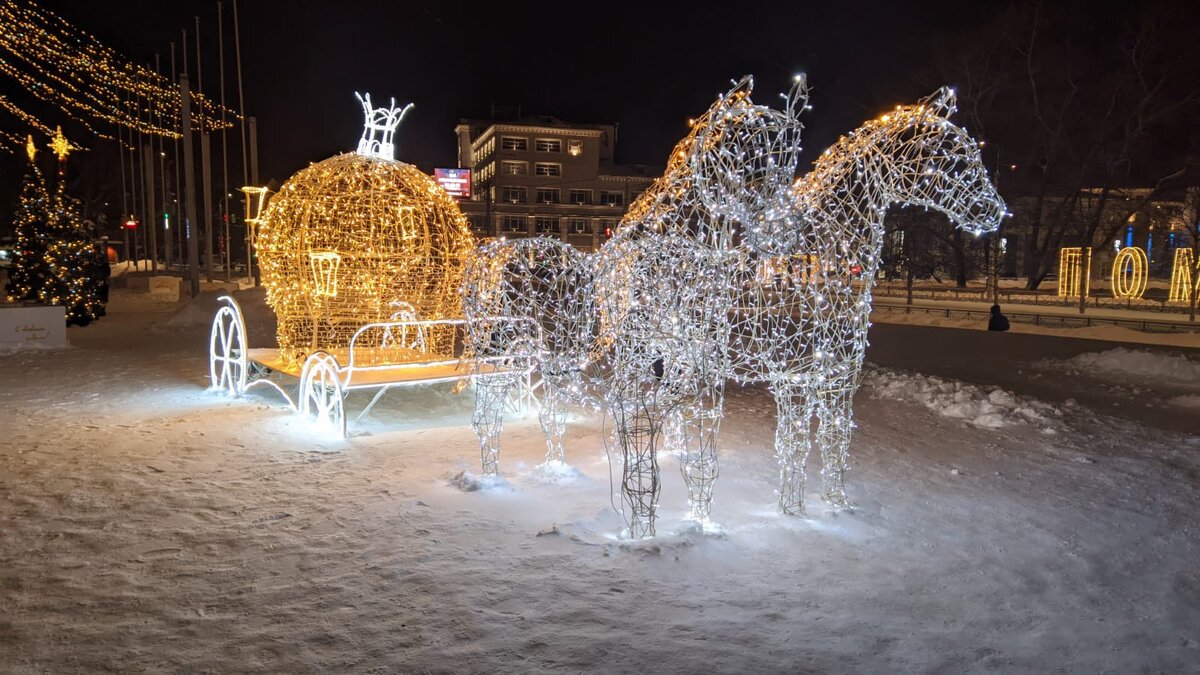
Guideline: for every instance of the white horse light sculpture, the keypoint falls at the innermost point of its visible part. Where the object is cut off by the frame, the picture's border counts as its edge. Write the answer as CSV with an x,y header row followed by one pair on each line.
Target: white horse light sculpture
x,y
805,334
549,282
664,308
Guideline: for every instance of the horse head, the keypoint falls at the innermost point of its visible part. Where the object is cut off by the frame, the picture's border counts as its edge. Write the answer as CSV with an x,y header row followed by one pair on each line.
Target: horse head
x,y
743,160
930,161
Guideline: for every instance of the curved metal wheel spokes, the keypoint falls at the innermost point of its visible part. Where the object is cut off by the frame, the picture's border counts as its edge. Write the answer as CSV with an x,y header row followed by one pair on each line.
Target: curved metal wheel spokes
x,y
321,394
227,361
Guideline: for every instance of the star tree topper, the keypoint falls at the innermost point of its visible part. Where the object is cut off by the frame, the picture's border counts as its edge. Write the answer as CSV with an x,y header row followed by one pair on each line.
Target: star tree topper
x,y
59,145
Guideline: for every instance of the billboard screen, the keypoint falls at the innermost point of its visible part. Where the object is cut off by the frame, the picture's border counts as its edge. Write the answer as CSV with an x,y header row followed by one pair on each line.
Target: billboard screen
x,y
455,181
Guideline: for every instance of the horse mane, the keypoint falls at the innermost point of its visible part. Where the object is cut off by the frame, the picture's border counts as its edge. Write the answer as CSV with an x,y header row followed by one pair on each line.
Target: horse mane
x,y
849,148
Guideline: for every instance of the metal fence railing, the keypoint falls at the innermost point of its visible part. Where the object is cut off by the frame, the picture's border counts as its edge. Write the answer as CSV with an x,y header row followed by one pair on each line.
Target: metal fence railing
x,y
1050,320
1024,297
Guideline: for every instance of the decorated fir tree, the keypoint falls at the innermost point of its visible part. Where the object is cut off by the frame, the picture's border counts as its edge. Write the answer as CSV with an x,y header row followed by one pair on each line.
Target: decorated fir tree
x,y
73,281
30,272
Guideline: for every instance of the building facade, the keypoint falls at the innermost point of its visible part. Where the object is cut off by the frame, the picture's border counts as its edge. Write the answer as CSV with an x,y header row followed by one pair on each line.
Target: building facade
x,y
541,176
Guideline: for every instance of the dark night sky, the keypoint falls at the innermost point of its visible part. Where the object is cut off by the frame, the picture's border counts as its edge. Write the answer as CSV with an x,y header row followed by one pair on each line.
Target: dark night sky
x,y
645,67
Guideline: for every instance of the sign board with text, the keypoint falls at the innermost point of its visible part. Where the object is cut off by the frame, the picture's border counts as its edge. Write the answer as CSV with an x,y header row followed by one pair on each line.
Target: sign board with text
x,y
457,182
32,326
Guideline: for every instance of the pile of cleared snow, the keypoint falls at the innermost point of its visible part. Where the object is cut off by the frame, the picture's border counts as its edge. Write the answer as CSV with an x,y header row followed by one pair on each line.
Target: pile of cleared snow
x,y
1140,365
1186,401
988,407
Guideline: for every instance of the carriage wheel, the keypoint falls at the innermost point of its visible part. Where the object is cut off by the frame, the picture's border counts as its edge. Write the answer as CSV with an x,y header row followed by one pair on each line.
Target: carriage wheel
x,y
227,363
321,396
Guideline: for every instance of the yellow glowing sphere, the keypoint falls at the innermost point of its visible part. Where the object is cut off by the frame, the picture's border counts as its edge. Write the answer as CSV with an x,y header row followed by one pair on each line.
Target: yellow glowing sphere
x,y
350,240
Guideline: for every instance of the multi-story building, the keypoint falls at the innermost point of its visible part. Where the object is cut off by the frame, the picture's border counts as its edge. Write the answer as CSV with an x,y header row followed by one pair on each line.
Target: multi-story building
x,y
543,176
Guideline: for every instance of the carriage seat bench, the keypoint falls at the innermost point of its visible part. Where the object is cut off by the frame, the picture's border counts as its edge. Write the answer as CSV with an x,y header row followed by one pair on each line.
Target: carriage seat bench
x,y
397,356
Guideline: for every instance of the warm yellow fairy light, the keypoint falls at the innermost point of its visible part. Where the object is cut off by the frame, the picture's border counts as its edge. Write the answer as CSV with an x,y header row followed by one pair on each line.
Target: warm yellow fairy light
x,y
1183,271
85,80
1129,273
346,238
60,145
324,270
1074,271
30,148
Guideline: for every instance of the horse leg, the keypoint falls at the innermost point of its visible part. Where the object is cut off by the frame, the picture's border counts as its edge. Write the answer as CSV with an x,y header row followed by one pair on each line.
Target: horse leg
x,y
836,423
793,442
553,418
491,395
699,465
639,433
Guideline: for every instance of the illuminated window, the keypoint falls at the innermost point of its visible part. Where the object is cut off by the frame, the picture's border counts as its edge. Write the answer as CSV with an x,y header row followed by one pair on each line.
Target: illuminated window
x,y
547,169
546,225
513,143
513,168
547,195
548,145
612,198
574,148
580,226
513,194
513,223
581,196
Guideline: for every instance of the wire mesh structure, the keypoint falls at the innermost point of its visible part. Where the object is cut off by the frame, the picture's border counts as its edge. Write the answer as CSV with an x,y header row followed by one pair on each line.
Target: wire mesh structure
x,y
663,303
807,333
347,237
550,282
729,267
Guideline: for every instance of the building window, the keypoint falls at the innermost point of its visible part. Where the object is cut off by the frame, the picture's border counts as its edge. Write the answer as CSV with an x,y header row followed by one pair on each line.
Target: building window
x,y
513,223
546,225
547,169
574,148
581,196
513,168
512,194
608,226
580,226
513,143
547,195
612,198
548,145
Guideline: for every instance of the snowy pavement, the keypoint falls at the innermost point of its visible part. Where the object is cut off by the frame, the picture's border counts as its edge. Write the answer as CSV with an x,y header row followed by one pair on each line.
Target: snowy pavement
x,y
1016,510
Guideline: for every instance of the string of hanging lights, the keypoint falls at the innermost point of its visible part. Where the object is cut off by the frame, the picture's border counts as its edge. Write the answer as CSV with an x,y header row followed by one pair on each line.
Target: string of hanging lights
x,y
87,81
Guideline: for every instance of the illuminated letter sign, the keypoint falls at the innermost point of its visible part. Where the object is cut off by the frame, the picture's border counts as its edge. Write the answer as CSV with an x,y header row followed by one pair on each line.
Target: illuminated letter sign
x,y
1182,276
1129,273
1074,271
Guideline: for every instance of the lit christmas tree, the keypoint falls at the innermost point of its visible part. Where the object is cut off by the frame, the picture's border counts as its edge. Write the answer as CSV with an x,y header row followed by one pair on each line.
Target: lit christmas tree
x,y
30,272
73,260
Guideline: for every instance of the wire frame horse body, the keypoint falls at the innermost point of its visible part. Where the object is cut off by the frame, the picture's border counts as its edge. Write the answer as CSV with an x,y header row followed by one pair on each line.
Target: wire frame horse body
x,y
549,282
664,304
806,335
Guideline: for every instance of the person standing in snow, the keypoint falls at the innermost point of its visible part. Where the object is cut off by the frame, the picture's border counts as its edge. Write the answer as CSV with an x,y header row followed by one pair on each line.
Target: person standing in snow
x,y
998,321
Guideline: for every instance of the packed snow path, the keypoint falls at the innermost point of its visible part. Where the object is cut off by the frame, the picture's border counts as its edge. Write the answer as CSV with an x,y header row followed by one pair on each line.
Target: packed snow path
x,y
149,525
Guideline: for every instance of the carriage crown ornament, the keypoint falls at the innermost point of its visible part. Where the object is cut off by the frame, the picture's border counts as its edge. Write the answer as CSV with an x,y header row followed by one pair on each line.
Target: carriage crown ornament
x,y
379,127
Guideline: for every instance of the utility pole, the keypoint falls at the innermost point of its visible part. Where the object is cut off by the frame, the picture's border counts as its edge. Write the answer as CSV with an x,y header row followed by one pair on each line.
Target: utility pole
x,y
162,177
225,194
205,163
237,46
189,182
151,219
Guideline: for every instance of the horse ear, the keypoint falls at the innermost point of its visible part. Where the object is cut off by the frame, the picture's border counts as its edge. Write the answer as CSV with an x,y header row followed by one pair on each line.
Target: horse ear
x,y
943,102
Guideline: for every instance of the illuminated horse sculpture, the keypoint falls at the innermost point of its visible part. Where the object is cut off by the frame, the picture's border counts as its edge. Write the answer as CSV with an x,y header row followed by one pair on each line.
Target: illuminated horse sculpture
x,y
549,282
664,287
805,254
805,330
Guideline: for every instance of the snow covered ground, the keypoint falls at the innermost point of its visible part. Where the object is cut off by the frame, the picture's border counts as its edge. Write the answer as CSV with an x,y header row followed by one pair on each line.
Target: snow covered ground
x,y
1017,509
